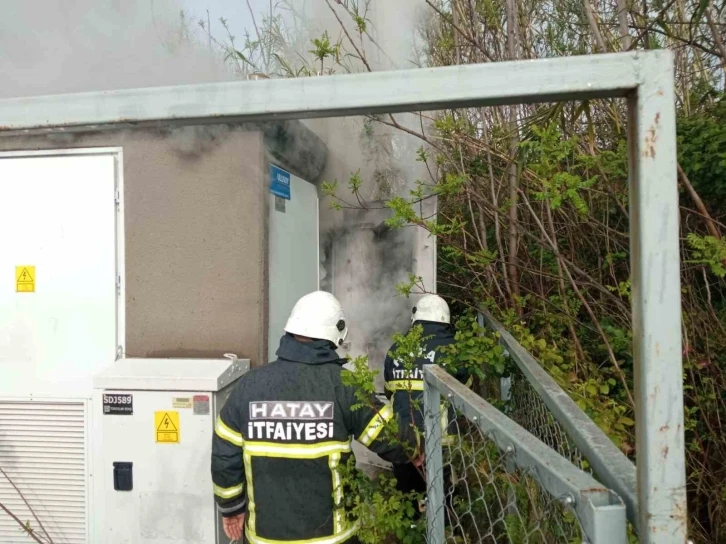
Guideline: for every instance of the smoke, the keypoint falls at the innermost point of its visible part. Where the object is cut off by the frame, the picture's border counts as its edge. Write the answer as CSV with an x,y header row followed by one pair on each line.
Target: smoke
x,y
190,142
53,47
292,145
368,260
362,263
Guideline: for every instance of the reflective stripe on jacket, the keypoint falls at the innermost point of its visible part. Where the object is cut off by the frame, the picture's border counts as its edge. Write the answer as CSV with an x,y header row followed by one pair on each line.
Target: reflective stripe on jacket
x,y
405,386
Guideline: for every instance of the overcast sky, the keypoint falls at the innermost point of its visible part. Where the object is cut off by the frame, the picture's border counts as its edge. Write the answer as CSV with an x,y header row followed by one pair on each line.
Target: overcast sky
x,y
235,11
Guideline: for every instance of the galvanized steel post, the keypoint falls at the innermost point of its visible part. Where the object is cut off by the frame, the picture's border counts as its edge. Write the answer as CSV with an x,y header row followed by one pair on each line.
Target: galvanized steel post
x,y
435,508
656,300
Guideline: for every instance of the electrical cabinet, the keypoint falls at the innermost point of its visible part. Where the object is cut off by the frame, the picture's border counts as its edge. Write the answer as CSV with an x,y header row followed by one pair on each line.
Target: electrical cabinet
x,y
154,426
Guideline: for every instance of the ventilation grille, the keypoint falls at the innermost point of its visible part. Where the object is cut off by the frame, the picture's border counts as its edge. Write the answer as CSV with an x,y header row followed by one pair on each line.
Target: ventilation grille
x,y
43,451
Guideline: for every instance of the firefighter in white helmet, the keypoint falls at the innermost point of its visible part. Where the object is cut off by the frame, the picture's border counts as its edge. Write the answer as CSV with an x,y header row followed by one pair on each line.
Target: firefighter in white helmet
x,y
405,385
286,430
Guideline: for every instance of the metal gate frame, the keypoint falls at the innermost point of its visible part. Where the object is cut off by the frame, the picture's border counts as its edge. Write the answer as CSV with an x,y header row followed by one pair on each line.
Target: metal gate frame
x,y
644,78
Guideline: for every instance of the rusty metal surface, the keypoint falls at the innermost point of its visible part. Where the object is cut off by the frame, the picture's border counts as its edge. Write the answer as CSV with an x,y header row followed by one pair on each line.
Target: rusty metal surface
x,y
656,303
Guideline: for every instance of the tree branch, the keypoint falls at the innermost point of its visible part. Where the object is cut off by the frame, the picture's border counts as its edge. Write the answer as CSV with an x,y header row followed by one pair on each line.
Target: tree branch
x,y
625,38
259,37
360,54
699,204
459,30
32,511
716,36
593,25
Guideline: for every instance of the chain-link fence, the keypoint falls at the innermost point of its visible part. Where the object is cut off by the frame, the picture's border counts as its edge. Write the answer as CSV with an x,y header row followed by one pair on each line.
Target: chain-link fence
x,y
525,406
537,403
492,500
491,481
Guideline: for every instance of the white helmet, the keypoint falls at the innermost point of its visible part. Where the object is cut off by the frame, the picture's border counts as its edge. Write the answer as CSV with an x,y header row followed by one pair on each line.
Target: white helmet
x,y
318,315
431,308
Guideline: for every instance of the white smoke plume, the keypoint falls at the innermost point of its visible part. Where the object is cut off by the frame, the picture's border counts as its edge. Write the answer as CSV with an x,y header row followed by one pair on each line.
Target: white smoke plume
x,y
55,46
360,262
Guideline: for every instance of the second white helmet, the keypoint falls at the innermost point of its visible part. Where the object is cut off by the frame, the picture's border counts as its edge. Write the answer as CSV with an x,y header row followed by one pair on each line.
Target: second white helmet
x,y
318,315
431,308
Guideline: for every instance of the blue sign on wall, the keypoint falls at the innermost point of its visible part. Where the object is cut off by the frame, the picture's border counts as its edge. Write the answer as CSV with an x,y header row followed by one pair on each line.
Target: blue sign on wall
x,y
279,182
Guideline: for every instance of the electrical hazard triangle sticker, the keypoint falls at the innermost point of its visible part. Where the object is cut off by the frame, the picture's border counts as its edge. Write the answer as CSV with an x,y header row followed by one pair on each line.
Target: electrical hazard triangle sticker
x,y
25,276
167,426
25,279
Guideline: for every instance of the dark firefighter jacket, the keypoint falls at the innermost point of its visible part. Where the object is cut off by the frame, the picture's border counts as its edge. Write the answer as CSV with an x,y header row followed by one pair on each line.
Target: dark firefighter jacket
x,y
406,386
279,442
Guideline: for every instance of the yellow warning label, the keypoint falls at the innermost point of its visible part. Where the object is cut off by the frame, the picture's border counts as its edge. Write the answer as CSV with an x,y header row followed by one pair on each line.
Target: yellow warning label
x,y
166,424
25,279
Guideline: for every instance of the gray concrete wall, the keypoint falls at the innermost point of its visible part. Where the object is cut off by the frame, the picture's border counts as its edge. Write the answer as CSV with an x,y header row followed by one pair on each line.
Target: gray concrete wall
x,y
195,216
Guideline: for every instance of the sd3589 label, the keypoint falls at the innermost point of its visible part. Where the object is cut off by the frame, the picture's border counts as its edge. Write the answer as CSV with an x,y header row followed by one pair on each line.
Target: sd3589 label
x,y
118,403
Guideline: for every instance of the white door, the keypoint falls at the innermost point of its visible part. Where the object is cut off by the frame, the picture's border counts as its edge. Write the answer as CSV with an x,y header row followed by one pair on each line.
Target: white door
x,y
293,254
60,318
58,270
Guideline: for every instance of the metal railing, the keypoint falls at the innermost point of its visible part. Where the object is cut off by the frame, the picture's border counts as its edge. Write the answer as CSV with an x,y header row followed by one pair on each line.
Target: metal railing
x,y
538,404
489,480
